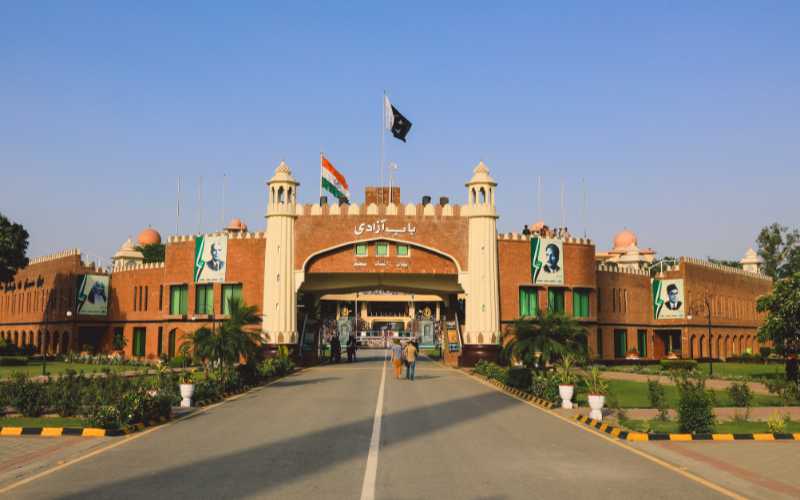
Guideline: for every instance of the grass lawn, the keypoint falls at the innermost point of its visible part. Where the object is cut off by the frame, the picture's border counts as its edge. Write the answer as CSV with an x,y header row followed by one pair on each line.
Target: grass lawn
x,y
734,427
435,353
740,370
58,367
41,422
634,395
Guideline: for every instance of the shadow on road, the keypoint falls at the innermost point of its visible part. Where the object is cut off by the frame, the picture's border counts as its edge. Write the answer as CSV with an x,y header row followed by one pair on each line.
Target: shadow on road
x,y
258,470
312,381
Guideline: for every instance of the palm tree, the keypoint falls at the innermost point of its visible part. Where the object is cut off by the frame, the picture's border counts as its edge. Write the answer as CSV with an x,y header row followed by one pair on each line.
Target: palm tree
x,y
543,340
230,341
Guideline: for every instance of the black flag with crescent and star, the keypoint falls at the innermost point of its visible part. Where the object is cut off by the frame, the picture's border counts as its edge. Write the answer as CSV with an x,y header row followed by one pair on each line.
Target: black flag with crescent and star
x,y
400,125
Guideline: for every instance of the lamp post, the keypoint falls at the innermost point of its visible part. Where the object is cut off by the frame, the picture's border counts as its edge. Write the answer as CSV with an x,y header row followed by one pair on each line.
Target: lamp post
x,y
710,358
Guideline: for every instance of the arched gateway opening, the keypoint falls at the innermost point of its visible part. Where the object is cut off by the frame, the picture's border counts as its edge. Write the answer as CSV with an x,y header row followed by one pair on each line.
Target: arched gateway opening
x,y
377,290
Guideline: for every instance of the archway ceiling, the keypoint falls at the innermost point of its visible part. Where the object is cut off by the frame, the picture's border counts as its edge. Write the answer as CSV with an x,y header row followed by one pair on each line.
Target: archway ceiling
x,y
354,282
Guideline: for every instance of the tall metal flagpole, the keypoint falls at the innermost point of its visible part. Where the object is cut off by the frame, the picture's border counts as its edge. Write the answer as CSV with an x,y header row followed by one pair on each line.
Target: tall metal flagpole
x,y
383,135
224,181
320,176
178,209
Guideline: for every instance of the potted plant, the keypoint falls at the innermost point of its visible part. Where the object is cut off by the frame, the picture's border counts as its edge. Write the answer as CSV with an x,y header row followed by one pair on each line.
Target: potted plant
x,y
597,389
187,389
566,380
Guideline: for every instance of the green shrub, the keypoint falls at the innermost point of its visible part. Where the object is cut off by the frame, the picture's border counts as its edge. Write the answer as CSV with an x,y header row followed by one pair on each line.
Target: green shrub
x,y
545,387
207,389
104,417
520,378
179,362
787,391
764,352
695,403
64,394
13,361
658,398
27,396
741,395
678,364
776,423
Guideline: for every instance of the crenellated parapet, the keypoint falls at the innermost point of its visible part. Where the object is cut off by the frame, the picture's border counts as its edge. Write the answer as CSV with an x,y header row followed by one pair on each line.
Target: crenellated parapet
x,y
428,210
726,269
513,236
605,268
139,267
54,256
237,235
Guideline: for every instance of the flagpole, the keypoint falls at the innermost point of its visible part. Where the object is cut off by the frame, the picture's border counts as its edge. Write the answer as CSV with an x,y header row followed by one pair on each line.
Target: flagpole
x,y
383,135
320,176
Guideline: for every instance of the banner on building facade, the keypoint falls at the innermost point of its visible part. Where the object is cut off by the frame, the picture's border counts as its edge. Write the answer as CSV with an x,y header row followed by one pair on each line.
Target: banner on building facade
x,y
668,301
92,296
210,258
547,261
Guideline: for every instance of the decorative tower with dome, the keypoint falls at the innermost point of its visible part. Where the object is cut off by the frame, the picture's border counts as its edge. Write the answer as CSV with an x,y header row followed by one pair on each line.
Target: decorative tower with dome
x,y
481,285
280,297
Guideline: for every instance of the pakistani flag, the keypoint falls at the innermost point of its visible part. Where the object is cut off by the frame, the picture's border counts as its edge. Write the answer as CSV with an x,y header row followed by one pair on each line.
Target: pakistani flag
x,y
396,122
333,181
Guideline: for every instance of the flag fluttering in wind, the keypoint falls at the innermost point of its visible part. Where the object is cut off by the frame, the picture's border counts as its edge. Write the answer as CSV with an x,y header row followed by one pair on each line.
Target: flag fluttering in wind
x,y
332,181
395,121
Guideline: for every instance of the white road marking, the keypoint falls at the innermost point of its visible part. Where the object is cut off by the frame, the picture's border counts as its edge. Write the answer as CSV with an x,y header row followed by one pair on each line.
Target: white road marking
x,y
371,472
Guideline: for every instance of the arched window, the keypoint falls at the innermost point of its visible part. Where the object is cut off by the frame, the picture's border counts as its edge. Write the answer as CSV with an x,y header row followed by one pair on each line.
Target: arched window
x,y
472,200
272,198
171,343
280,195
289,195
483,196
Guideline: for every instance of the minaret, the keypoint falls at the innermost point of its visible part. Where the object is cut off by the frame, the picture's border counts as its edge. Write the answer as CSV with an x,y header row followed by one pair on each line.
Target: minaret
x,y
280,298
483,305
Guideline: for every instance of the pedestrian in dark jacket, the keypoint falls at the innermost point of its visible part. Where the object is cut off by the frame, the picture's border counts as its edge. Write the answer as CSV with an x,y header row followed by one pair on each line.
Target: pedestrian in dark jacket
x,y
352,345
336,349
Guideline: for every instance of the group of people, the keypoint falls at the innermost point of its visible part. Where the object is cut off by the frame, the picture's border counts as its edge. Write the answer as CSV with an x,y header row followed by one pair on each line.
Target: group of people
x,y
405,354
336,349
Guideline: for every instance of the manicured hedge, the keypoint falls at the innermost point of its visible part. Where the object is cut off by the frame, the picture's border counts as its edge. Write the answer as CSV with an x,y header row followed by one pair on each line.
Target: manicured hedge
x,y
678,364
13,360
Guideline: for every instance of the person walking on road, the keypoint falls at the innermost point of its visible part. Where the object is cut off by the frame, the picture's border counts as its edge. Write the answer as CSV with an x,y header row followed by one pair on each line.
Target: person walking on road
x,y
351,348
336,349
397,358
411,352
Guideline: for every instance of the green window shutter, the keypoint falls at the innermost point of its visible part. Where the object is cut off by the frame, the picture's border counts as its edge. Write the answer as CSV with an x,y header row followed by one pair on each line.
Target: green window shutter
x,y
555,299
620,343
642,341
174,300
184,302
528,302
361,249
580,303
402,250
599,342
139,341
204,299
382,249
230,292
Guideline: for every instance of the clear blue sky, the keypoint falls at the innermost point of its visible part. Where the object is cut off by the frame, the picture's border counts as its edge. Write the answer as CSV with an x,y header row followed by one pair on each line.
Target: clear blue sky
x,y
682,117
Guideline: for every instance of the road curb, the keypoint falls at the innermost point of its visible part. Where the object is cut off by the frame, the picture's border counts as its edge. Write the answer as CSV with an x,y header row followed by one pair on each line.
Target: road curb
x,y
660,436
9,431
543,403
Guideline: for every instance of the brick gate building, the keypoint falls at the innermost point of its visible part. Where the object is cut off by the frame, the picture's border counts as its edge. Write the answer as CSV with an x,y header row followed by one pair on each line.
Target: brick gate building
x,y
390,264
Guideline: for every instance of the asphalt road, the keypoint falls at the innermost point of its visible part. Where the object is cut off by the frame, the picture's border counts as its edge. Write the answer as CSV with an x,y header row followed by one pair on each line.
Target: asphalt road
x,y
308,436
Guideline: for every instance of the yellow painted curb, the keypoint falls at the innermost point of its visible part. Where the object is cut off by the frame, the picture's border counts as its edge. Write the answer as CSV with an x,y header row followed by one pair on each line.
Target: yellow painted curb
x,y
680,437
638,436
51,431
722,437
797,436
11,431
93,432
763,437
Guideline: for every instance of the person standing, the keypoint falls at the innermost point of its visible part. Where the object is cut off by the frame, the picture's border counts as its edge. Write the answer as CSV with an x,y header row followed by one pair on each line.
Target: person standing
x,y
397,358
336,349
411,352
351,348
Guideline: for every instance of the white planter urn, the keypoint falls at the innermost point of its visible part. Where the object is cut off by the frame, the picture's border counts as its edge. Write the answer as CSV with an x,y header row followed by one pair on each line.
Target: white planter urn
x,y
566,392
187,390
596,402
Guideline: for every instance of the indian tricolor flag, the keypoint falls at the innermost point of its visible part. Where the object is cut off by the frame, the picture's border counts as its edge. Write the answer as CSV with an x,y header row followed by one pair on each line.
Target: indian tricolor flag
x,y
332,181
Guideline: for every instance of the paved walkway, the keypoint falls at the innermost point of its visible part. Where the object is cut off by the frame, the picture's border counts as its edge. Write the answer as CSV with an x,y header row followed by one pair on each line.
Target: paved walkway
x,y
712,383
315,435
